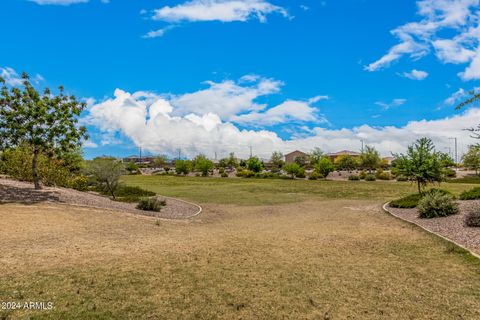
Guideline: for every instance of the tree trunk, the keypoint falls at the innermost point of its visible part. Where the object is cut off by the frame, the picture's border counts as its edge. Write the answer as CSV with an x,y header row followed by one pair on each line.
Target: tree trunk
x,y
36,179
419,188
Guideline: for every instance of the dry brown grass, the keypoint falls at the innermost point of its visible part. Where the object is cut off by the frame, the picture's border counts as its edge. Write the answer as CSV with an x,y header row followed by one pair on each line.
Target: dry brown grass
x,y
322,259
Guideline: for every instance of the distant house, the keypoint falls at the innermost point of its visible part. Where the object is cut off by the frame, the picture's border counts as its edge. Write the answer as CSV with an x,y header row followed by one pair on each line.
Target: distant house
x,y
290,157
334,155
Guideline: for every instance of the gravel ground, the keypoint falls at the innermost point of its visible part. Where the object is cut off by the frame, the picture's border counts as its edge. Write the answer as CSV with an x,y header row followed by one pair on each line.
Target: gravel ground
x,y
17,191
452,227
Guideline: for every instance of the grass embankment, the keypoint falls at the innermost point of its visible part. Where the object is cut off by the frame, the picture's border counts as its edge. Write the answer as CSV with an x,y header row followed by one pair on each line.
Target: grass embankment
x,y
311,255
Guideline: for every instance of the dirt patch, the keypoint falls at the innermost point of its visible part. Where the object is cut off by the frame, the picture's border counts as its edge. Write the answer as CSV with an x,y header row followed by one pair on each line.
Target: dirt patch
x,y
12,191
452,227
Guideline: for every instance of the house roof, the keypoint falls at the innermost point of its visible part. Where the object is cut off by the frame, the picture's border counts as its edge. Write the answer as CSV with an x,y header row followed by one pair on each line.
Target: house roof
x,y
344,153
296,151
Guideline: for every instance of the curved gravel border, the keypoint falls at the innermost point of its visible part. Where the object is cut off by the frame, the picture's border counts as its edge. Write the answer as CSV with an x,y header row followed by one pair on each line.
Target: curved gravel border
x,y
12,191
385,208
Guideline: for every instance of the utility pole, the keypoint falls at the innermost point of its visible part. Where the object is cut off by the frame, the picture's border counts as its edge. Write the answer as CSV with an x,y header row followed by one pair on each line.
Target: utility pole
x,y
456,149
140,154
362,145
179,154
251,152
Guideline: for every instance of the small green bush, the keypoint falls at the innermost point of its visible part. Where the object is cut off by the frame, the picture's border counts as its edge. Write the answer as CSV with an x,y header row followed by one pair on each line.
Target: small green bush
x,y
472,219
450,173
362,175
224,175
401,178
384,176
354,177
314,176
471,194
129,194
370,177
79,183
436,204
301,173
221,170
151,204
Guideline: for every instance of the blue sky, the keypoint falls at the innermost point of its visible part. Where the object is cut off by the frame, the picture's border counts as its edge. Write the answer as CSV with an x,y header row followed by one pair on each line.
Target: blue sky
x,y
225,74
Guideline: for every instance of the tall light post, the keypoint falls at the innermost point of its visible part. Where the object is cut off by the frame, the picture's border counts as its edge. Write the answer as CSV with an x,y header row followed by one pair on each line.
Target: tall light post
x,y
456,149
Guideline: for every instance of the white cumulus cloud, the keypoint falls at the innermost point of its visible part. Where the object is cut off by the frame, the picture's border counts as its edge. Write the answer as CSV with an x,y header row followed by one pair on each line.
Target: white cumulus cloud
x,y
416,75
218,10
449,28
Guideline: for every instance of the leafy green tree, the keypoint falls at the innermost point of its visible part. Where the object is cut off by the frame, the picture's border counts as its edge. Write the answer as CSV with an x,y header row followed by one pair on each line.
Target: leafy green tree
x,y
471,159
315,156
44,122
301,161
421,164
324,167
370,159
131,167
474,97
160,161
292,169
183,167
106,173
346,162
254,164
203,164
277,160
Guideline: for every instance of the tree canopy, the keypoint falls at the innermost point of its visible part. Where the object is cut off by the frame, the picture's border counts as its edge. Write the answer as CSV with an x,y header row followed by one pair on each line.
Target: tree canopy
x,y
45,122
471,159
370,158
421,164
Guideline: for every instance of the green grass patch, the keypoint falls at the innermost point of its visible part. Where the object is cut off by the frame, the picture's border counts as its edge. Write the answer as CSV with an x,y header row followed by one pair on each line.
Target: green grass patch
x,y
410,201
472,194
249,192
468,179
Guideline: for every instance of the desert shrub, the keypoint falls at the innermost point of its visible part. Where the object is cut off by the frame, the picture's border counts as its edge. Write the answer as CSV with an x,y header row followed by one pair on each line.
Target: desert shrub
x,y
203,164
221,170
378,173
401,178
370,177
183,167
384,176
151,204
254,164
472,219
224,175
410,201
129,194
471,194
324,167
450,173
314,176
436,204
79,183
353,177
301,173
362,175
293,169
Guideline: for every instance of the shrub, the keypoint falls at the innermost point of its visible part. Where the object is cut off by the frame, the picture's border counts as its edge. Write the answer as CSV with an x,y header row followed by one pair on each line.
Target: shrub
x,y
370,177
353,177
301,173
183,167
79,183
450,173
324,167
129,194
224,175
362,175
314,176
407,202
151,204
472,219
221,170
471,194
254,164
384,176
436,204
292,168
203,165
401,178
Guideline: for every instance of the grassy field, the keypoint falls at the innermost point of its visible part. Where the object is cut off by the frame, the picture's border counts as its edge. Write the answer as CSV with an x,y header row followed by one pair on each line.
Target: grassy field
x,y
262,249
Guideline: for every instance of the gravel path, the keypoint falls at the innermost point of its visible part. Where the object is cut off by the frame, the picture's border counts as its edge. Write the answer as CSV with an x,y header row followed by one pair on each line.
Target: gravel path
x,y
451,227
17,191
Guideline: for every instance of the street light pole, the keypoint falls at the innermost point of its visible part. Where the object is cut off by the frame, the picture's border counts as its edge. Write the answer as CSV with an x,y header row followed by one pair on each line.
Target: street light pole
x,y
456,149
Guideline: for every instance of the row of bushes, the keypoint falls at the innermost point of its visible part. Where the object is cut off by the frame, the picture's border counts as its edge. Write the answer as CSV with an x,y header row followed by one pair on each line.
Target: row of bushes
x,y
439,203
